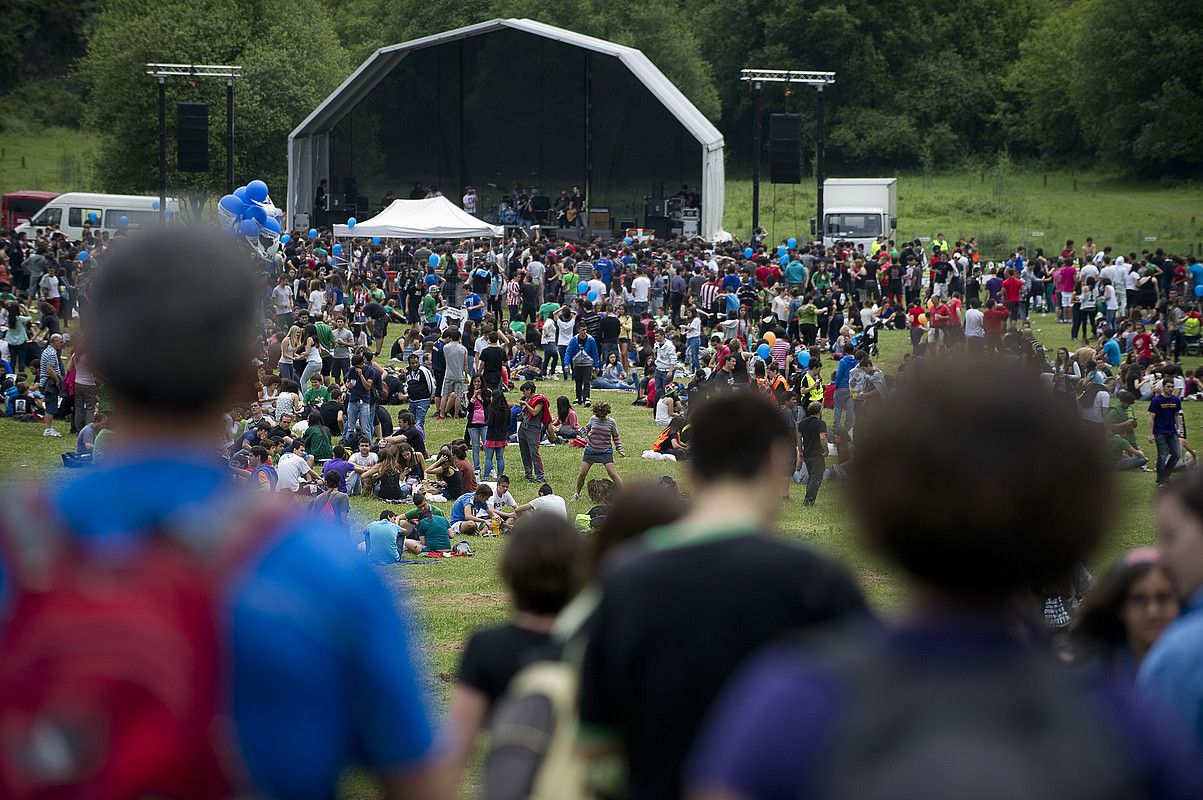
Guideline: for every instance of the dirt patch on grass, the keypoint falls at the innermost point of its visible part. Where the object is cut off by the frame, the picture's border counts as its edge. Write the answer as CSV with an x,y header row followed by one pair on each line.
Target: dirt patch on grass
x,y
473,599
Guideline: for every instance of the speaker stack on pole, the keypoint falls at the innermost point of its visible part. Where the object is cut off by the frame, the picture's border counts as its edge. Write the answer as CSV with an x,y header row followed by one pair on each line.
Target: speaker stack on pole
x,y
192,137
785,148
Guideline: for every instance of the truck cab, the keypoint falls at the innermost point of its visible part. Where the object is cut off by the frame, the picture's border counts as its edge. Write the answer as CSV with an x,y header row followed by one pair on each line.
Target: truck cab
x,y
858,210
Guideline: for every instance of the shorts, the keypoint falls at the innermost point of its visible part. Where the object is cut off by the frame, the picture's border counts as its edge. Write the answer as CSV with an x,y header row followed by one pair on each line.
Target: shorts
x,y
1067,299
1013,307
594,457
456,387
380,328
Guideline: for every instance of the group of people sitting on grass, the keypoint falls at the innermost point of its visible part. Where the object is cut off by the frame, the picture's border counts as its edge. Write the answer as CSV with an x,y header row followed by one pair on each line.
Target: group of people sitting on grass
x,y
685,648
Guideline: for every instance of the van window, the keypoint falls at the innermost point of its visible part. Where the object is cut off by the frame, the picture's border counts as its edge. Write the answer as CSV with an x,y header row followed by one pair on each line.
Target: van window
x,y
76,217
48,217
137,219
856,225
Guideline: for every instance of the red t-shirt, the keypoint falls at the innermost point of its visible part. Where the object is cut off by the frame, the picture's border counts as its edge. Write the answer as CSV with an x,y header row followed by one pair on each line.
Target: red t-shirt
x,y
1142,343
954,308
1012,286
941,316
762,275
915,312
993,322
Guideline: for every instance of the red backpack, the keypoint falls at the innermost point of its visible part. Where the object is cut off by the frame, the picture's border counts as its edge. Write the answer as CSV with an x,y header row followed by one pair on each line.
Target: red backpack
x,y
113,664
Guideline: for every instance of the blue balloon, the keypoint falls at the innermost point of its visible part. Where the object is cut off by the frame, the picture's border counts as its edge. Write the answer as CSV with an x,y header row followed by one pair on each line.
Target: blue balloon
x,y
783,260
628,240
375,240
248,228
803,358
748,252
256,191
591,297
285,239
782,249
123,221
93,217
271,224
169,213
764,351
154,204
352,222
433,260
83,255
231,203
256,213
792,242
582,287
338,249
1199,291
240,193
313,233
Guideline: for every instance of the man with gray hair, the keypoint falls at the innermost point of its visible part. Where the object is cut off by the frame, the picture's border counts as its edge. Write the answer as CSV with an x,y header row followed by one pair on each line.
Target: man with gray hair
x,y
50,379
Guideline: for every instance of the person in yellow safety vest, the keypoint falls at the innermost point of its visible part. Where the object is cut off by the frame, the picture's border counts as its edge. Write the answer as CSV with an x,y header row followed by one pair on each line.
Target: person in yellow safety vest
x,y
811,385
875,248
939,242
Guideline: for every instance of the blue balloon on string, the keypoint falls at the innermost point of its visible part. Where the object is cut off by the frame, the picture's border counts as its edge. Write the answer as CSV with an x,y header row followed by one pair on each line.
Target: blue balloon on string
x,y
628,240
433,260
123,221
248,228
232,204
285,239
352,222
338,249
271,224
1199,290
763,351
83,255
240,193
313,233
375,240
591,297
748,252
782,249
582,287
154,204
256,191
792,242
256,213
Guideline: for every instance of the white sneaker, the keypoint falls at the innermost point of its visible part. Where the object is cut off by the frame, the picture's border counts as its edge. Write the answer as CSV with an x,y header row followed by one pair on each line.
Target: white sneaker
x,y
52,432
575,496
47,431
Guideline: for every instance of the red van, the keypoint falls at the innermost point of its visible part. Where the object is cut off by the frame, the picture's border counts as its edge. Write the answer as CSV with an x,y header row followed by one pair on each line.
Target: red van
x,y
18,207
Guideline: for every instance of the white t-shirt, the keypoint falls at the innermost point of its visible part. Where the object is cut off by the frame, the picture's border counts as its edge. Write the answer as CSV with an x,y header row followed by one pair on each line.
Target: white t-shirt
x,y
975,322
566,331
282,299
317,301
663,415
290,470
1097,409
363,462
641,288
868,316
502,500
49,287
551,503
599,286
1088,271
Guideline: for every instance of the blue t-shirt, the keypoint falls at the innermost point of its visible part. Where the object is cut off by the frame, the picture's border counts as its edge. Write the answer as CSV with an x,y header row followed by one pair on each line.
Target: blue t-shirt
x,y
1111,353
322,672
604,268
381,541
476,313
730,282
1172,676
1195,271
458,513
1165,413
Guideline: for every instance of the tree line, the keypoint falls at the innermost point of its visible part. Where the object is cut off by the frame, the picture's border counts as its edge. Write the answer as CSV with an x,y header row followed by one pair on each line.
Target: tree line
x,y
920,83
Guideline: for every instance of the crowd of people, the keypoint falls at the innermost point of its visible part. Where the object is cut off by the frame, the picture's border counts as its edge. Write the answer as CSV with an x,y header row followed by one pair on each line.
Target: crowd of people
x,y
737,351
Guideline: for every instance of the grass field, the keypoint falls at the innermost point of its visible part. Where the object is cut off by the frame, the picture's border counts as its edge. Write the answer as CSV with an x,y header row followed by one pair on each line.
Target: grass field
x,y
455,597
53,160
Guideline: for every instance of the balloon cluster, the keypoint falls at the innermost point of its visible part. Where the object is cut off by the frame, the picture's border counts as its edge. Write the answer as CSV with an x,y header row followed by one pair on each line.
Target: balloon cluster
x,y
249,214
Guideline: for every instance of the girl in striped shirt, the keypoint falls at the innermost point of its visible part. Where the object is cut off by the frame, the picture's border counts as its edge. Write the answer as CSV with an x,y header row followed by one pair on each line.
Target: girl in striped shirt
x,y
601,440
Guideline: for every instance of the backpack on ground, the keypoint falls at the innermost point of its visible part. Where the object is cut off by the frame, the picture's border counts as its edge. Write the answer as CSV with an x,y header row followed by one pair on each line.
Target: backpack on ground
x,y
112,663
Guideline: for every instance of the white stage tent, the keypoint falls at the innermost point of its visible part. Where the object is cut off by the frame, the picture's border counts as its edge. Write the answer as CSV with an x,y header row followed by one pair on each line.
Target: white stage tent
x,y
456,108
432,218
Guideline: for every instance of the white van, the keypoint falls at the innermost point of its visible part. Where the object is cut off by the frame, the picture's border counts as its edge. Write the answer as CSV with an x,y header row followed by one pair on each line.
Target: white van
x,y
71,211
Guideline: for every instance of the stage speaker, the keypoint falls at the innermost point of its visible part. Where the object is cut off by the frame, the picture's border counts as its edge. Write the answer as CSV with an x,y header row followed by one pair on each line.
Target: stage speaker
x,y
785,148
660,224
192,137
599,219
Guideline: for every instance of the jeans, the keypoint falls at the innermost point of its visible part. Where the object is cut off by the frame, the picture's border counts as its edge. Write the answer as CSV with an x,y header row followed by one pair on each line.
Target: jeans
x,y
814,477
361,416
419,408
287,373
340,368
490,452
476,438
354,484
530,432
693,346
583,376
85,403
610,383
843,407
564,365
311,368
551,358
1129,463
1168,452
662,377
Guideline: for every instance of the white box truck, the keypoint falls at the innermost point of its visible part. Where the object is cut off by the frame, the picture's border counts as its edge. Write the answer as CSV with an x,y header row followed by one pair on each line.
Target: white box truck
x,y
859,210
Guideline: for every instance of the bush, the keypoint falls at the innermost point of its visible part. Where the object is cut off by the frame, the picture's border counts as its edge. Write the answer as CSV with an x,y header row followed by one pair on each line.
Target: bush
x,y
45,103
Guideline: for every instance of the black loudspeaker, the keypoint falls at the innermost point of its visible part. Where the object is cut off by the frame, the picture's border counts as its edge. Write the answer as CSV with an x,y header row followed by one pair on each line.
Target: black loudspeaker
x,y
660,224
192,137
785,148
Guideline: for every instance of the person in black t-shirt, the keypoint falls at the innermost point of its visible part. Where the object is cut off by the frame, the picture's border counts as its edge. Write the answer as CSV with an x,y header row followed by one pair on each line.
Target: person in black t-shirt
x,y
656,659
490,362
538,567
812,449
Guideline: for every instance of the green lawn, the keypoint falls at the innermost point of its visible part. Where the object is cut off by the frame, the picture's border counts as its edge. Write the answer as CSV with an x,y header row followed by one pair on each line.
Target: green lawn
x,y
53,159
455,597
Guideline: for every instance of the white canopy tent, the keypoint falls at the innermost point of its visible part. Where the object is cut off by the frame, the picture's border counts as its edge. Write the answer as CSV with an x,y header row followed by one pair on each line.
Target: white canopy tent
x,y
432,218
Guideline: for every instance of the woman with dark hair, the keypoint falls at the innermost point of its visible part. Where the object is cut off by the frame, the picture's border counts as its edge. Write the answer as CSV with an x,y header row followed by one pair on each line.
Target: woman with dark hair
x,y
497,423
479,397
17,336
310,354
564,423
1124,614
317,439
48,320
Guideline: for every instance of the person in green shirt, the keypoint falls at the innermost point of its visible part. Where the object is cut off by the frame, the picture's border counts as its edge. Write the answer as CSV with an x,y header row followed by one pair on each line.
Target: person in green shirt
x,y
316,391
317,439
571,284
433,533
377,293
1121,418
421,507
325,338
430,306
549,308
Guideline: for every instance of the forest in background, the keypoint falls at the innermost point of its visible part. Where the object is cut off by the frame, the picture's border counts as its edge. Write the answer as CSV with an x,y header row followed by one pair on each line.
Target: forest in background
x,y
931,85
